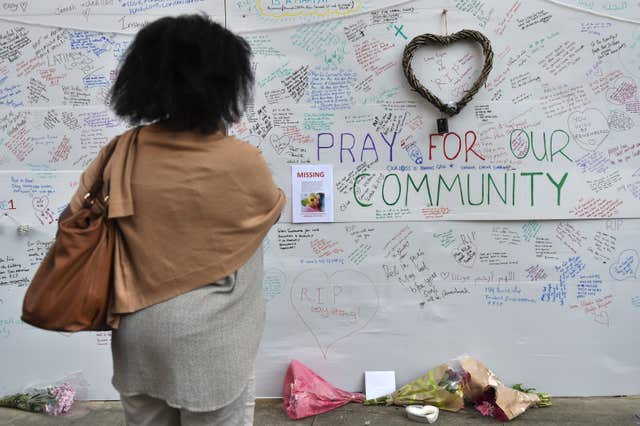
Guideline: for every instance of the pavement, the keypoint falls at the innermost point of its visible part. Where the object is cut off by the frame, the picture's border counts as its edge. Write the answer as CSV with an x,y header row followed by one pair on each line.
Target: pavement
x,y
618,411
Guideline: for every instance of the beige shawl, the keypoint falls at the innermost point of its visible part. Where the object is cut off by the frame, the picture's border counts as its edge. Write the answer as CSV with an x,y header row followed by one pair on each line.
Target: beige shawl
x,y
190,208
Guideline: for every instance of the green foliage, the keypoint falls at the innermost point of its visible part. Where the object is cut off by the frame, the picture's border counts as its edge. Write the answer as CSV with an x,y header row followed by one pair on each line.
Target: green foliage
x,y
545,398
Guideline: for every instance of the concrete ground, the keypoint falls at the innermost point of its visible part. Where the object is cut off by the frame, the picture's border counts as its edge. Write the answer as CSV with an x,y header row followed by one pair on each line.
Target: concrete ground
x,y
618,411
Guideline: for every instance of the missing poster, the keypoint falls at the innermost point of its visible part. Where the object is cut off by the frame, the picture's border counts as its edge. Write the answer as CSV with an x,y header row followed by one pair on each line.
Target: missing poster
x,y
312,193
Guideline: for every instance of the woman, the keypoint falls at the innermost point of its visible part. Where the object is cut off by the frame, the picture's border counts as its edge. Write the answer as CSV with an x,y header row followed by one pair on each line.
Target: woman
x,y
192,208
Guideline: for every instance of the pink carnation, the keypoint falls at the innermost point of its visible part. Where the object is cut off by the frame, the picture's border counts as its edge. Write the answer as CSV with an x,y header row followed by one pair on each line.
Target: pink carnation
x,y
64,396
486,408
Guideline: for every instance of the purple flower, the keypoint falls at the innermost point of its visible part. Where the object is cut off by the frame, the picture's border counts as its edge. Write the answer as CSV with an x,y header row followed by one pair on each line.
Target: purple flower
x,y
54,400
63,399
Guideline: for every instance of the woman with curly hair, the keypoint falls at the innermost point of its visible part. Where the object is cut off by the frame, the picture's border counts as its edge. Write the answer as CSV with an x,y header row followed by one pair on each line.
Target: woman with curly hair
x,y
192,206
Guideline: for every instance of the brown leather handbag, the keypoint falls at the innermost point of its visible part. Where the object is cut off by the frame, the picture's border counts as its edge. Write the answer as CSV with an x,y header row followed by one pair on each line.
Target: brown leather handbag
x,y
72,288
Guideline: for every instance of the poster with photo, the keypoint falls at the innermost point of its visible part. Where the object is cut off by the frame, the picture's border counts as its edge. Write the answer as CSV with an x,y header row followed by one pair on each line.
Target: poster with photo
x,y
312,193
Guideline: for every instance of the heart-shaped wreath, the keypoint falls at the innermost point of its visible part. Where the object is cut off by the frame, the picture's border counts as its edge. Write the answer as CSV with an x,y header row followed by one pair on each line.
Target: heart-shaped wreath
x,y
427,39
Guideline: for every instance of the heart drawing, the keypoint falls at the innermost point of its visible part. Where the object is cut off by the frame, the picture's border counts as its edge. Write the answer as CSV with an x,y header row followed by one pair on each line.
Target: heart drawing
x,y
333,306
465,254
40,203
280,143
626,266
589,128
620,121
622,90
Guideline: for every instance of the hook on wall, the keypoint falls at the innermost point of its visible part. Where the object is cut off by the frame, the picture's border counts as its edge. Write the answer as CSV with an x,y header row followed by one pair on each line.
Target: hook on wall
x,y
444,17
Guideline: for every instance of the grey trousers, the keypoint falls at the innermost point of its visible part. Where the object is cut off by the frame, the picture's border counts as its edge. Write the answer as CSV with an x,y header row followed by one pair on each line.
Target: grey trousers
x,y
143,410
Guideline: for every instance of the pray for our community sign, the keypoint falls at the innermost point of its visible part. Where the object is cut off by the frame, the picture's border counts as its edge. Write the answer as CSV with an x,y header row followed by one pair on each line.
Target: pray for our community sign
x,y
457,176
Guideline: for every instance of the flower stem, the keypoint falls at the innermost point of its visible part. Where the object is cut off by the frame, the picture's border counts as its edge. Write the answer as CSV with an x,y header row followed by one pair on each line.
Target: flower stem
x,y
381,400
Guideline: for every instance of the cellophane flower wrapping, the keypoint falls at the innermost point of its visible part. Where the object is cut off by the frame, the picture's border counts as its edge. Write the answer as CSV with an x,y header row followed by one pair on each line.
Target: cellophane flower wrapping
x,y
489,395
55,399
440,386
305,394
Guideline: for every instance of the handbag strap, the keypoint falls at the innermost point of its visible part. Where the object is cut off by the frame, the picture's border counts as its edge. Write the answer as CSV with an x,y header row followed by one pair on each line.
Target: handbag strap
x,y
99,182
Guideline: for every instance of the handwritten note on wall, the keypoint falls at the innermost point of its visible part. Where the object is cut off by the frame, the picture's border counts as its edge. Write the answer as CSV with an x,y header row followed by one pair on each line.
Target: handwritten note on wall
x,y
526,148
516,232
550,136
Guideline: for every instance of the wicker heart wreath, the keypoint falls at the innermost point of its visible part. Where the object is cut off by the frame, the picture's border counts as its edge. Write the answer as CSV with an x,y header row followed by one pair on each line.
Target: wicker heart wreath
x,y
453,108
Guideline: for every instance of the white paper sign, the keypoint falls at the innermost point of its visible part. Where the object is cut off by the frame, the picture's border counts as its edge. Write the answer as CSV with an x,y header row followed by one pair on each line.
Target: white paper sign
x,y
379,383
312,193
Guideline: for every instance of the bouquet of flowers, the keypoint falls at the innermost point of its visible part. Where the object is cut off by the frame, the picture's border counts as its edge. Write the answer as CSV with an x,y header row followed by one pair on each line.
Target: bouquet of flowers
x,y
306,394
53,400
493,398
441,386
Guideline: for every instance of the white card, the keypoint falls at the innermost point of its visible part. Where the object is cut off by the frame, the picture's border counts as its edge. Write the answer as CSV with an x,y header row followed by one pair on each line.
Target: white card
x,y
379,383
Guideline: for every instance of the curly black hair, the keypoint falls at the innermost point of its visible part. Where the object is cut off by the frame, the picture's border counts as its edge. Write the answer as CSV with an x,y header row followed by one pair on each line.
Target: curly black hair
x,y
188,71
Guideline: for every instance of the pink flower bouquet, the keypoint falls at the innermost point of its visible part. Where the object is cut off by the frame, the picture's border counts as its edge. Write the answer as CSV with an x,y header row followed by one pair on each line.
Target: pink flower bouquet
x,y
53,400
305,394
